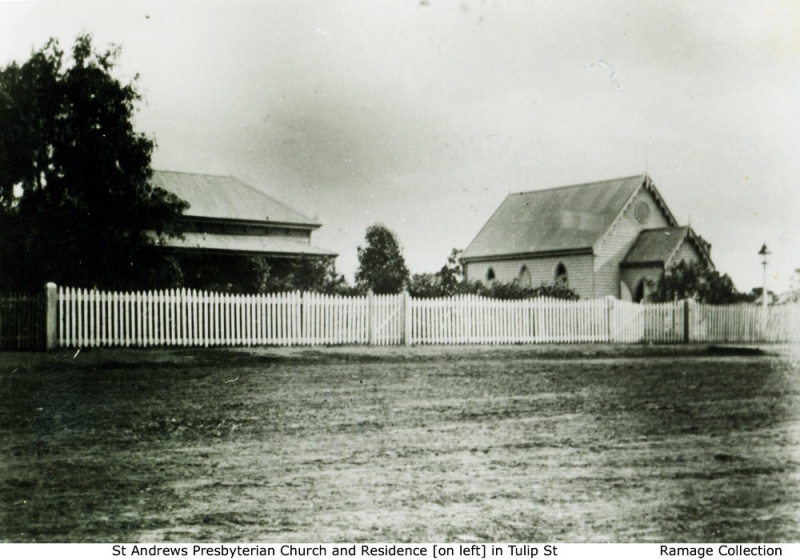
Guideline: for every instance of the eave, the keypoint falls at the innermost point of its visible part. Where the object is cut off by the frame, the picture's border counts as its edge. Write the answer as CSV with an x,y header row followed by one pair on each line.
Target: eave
x,y
530,255
242,253
251,223
650,264
213,243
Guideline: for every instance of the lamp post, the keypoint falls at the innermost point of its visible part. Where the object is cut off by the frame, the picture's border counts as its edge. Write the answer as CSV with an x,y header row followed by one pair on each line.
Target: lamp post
x,y
764,252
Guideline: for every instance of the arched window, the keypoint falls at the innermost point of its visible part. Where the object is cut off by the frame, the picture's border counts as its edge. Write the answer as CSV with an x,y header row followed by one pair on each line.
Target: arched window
x,y
639,294
561,274
490,275
524,277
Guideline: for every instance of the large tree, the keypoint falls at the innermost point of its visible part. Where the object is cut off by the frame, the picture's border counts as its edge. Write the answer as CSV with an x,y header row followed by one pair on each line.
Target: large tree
x,y
76,200
381,266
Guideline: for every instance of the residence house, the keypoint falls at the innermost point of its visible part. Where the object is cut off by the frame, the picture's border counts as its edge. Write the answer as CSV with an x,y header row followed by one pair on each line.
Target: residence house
x,y
606,238
236,237
229,217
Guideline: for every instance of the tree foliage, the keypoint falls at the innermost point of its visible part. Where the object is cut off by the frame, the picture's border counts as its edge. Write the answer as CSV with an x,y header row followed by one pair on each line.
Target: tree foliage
x,y
694,280
772,298
237,274
307,274
513,290
448,281
381,267
75,193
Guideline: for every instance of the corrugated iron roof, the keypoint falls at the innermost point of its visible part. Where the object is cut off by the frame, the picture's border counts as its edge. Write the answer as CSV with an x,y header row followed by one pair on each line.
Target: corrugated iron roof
x,y
227,198
256,244
655,245
561,219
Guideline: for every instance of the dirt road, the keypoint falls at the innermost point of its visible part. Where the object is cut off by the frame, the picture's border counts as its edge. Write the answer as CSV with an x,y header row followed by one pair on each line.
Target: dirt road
x,y
569,444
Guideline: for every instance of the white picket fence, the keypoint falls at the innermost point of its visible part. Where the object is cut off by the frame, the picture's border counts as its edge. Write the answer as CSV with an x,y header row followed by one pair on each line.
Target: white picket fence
x,y
744,323
89,318
477,320
193,318
473,319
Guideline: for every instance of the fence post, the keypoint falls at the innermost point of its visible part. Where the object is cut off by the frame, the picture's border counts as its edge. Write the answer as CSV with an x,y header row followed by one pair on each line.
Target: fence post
x,y
686,324
305,323
610,318
407,319
371,318
51,314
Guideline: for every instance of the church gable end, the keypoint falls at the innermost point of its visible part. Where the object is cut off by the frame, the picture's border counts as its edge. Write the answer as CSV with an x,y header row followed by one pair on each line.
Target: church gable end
x,y
644,210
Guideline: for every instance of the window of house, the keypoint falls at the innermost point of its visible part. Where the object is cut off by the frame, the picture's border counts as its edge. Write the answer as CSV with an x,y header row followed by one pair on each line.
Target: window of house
x,y
490,274
561,274
524,277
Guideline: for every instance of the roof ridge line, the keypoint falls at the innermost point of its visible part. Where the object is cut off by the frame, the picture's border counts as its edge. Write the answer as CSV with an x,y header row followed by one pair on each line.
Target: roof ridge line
x,y
586,184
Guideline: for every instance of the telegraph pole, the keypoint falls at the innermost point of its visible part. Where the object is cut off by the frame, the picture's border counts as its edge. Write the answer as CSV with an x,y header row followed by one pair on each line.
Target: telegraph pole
x,y
764,252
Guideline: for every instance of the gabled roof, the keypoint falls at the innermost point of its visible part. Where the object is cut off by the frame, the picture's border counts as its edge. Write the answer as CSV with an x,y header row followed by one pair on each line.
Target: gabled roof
x,y
228,198
563,219
657,246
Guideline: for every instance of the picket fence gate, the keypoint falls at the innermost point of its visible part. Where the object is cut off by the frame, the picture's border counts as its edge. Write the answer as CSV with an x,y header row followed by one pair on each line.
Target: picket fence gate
x,y
76,318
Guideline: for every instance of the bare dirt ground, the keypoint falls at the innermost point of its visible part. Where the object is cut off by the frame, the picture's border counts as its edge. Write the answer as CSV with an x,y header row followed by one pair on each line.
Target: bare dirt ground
x,y
562,443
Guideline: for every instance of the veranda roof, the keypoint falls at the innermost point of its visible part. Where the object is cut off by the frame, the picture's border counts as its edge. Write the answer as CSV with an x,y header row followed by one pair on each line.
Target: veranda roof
x,y
245,244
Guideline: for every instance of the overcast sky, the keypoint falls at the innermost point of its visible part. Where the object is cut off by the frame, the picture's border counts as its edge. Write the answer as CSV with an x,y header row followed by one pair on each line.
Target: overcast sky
x,y
424,115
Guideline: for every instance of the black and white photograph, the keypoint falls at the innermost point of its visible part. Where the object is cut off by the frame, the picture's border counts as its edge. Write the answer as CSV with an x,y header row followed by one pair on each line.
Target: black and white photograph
x,y
500,275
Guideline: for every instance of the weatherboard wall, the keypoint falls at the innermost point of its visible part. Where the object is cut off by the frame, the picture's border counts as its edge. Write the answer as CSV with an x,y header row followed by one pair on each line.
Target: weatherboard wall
x,y
542,271
686,252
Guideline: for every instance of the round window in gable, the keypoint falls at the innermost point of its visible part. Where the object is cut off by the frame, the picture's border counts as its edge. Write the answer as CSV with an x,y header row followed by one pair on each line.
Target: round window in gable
x,y
642,212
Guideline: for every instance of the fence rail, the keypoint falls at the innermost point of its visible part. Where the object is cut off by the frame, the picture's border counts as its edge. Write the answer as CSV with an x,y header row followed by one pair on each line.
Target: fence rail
x,y
70,317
